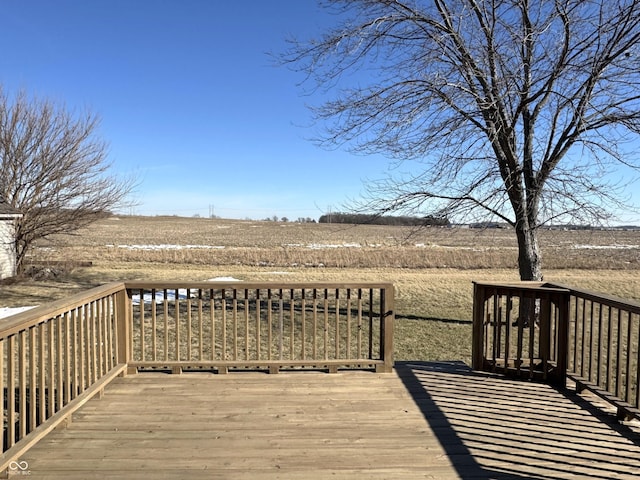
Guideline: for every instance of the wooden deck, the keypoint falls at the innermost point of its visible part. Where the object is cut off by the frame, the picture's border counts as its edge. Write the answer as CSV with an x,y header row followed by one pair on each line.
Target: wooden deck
x,y
433,420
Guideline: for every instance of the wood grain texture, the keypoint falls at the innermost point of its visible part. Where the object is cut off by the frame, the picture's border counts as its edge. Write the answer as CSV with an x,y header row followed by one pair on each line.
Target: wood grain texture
x,y
426,420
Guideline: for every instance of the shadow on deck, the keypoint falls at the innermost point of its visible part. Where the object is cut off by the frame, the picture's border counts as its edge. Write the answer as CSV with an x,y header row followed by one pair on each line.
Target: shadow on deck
x,y
435,420
494,427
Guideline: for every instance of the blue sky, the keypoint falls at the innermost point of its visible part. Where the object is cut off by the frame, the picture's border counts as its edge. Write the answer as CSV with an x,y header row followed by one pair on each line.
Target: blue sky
x,y
191,103
190,100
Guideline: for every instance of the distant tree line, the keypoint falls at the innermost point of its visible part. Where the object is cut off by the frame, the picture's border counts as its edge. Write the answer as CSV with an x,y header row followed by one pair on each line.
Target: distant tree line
x,y
275,218
485,225
364,219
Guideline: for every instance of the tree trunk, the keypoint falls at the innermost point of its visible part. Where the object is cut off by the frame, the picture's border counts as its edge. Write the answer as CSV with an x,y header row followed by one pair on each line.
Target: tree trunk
x,y
530,266
529,258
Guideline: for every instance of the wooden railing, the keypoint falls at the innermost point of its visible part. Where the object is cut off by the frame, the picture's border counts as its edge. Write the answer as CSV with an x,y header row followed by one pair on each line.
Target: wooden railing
x,y
520,329
56,357
52,360
260,325
604,353
554,332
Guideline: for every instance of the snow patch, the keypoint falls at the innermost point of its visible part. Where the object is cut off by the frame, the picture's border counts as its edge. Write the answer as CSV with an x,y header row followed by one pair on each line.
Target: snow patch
x,y
605,247
173,294
159,296
321,246
8,311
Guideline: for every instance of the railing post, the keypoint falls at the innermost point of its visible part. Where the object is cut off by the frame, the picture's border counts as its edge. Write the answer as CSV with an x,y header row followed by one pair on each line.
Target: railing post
x,y
477,342
387,316
123,326
563,338
544,338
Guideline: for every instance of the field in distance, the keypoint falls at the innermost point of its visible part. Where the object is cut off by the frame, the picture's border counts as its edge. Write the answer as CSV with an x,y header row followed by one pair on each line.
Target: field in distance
x,y
261,243
432,269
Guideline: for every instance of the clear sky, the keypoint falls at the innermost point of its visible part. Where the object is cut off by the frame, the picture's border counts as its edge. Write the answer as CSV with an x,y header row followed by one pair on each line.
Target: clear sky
x,y
191,103
189,98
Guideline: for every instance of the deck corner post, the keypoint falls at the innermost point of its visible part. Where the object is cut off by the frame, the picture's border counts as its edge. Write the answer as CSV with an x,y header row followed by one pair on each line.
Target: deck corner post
x,y
387,309
563,339
477,346
123,327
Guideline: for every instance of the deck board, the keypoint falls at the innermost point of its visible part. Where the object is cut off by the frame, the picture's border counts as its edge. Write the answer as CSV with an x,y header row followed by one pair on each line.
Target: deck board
x,y
437,420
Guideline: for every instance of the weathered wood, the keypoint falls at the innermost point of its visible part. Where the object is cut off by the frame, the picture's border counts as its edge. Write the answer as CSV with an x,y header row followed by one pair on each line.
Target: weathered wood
x,y
123,326
20,321
25,443
605,332
477,347
165,309
262,324
49,362
436,420
54,354
387,309
41,373
33,378
11,392
154,346
539,346
22,384
4,381
67,361
334,365
49,367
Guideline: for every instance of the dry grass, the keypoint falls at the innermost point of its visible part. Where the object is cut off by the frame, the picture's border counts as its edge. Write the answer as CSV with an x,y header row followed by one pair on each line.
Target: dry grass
x,y
271,244
432,269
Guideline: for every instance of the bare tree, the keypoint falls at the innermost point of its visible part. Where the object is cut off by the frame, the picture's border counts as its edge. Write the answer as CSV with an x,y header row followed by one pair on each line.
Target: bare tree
x,y
514,108
53,169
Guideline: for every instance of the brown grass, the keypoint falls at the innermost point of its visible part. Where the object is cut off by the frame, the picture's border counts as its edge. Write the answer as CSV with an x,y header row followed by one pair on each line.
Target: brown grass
x,y
432,269
271,244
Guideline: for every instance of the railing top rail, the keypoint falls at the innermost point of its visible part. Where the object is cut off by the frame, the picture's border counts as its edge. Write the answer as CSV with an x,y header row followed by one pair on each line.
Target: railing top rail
x,y
242,285
28,318
527,286
23,320
609,300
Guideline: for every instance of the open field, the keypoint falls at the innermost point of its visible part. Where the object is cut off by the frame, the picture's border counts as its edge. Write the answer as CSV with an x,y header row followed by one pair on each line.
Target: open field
x,y
432,269
197,241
